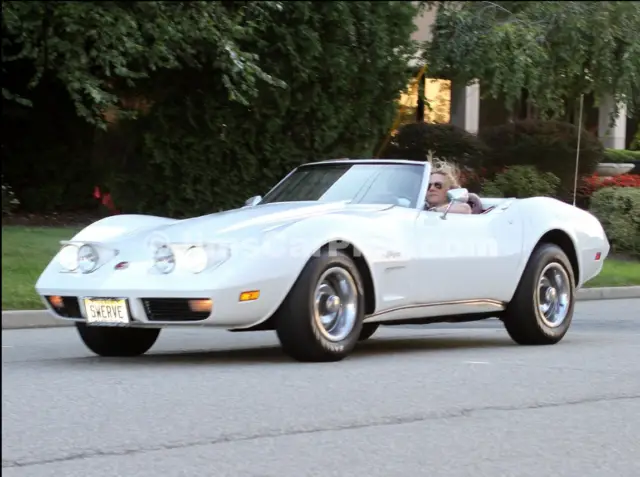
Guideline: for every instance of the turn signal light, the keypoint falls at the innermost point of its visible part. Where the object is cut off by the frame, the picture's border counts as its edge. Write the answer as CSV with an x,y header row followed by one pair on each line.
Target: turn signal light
x,y
250,295
598,255
200,305
56,301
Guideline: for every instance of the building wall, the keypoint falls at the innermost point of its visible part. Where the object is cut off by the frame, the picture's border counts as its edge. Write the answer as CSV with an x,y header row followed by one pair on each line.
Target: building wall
x,y
480,113
424,23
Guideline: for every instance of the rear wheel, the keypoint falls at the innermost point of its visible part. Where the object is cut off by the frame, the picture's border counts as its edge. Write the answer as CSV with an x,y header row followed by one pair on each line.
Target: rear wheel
x,y
117,342
321,318
542,307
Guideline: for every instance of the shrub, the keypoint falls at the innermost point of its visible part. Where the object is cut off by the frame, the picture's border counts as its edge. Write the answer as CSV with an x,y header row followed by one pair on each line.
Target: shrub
x,y
446,141
9,200
594,182
635,144
621,155
521,182
618,209
196,152
548,145
590,184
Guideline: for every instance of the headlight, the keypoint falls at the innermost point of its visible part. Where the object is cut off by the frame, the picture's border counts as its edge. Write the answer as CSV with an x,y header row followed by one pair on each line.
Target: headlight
x,y
68,258
164,260
196,259
199,258
87,259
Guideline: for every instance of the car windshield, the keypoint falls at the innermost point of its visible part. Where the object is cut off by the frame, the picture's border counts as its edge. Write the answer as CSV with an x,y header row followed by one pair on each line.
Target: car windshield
x,y
370,183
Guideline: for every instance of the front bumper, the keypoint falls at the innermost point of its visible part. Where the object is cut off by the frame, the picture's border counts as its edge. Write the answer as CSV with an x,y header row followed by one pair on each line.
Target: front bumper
x,y
154,306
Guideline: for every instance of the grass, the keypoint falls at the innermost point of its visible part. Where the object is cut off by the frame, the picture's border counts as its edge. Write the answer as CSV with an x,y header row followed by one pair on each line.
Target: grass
x,y
617,273
26,251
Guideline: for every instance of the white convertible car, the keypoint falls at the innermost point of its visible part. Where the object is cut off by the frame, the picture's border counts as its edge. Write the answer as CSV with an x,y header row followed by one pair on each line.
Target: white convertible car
x,y
334,250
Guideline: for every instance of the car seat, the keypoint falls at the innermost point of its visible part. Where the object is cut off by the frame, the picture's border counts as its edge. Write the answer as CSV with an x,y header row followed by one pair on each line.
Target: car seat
x,y
475,203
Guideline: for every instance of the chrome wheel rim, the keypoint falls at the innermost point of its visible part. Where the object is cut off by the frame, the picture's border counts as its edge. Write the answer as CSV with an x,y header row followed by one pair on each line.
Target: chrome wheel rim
x,y
553,295
336,304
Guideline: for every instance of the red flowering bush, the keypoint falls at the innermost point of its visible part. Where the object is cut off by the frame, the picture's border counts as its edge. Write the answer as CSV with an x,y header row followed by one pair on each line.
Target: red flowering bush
x,y
106,200
594,182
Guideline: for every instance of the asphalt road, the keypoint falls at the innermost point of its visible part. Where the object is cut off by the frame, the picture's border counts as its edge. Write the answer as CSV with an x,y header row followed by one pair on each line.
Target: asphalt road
x,y
446,400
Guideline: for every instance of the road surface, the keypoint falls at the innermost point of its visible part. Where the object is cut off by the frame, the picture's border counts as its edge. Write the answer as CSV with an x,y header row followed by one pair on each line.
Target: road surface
x,y
445,400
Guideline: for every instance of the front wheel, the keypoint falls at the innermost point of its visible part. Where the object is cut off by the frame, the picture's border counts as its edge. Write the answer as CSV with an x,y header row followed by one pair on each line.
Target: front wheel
x,y
368,329
321,317
542,307
117,342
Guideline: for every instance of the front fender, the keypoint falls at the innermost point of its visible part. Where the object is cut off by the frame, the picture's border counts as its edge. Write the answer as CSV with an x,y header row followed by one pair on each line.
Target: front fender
x,y
289,249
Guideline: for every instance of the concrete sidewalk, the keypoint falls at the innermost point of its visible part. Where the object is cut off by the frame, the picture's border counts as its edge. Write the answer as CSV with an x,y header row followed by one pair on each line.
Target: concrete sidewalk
x,y
14,320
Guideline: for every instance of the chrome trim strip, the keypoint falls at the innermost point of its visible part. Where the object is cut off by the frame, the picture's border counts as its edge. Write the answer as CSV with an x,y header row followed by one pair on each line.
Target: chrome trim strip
x,y
496,303
424,187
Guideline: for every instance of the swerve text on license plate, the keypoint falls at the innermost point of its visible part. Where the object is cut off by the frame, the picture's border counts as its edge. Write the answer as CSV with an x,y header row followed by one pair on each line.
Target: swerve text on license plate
x,y
106,311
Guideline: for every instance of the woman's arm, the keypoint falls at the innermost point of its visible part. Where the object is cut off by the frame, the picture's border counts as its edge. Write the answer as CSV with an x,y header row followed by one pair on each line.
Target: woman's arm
x,y
458,208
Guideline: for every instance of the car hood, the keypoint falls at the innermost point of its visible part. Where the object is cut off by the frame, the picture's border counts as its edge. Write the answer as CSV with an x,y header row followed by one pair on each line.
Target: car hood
x,y
248,222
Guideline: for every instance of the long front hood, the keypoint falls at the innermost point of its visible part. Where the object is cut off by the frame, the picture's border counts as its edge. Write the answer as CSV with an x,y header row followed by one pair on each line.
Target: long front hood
x,y
244,222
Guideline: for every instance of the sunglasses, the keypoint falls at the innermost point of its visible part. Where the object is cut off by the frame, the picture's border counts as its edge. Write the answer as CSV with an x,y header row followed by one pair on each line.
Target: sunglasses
x,y
437,185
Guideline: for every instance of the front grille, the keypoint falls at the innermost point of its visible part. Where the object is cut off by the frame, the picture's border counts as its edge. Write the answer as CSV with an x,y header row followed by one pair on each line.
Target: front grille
x,y
70,307
172,309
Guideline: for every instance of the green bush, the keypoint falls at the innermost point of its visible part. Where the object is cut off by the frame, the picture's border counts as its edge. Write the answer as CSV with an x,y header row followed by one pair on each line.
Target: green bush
x,y
618,209
548,145
196,152
621,155
9,200
521,182
635,144
448,142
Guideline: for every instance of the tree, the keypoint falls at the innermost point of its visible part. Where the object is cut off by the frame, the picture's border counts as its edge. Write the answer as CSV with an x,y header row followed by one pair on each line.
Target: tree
x,y
555,51
98,49
344,64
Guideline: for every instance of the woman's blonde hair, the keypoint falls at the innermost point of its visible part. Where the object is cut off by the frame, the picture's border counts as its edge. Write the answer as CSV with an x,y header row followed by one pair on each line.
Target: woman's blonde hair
x,y
449,170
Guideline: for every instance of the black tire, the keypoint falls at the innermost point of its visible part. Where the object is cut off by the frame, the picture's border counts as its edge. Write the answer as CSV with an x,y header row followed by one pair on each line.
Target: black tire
x,y
299,333
117,342
523,320
368,329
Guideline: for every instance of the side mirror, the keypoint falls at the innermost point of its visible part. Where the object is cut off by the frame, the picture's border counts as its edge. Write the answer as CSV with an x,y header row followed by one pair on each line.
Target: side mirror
x,y
458,195
253,201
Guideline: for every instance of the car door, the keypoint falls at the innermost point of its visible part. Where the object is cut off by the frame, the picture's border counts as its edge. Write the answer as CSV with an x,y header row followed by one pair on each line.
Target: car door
x,y
466,257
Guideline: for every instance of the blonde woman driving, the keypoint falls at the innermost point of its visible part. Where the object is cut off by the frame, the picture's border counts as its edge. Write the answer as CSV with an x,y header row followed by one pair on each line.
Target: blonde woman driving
x,y
444,176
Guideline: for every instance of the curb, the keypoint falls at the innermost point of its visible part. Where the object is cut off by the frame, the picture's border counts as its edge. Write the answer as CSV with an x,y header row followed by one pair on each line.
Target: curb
x,y
24,319
608,293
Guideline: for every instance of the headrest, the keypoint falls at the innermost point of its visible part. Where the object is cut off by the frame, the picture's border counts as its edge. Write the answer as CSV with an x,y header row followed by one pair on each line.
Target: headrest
x,y
475,203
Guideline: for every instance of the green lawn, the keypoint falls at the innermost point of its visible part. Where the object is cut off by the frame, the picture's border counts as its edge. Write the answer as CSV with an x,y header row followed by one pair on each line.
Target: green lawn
x,y
26,252
617,273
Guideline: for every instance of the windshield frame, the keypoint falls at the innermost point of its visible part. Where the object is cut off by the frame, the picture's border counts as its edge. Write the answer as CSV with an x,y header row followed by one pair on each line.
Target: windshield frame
x,y
419,200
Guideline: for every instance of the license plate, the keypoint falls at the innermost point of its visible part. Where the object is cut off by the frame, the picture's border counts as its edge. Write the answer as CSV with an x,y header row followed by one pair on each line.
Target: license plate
x,y
106,311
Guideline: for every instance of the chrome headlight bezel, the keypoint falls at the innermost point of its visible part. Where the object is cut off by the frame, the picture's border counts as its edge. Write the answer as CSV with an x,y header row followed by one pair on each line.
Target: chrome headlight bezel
x,y
87,253
164,259
72,253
